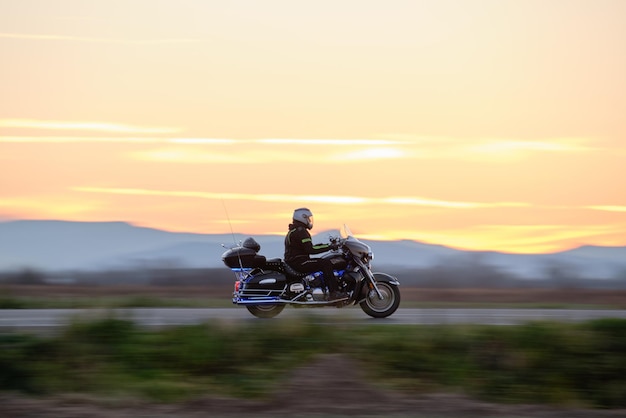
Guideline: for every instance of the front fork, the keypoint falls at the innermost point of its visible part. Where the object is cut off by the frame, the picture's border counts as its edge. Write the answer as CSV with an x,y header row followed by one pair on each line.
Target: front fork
x,y
371,279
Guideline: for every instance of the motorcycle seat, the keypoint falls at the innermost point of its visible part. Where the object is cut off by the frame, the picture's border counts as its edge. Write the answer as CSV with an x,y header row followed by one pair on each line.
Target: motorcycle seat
x,y
276,264
290,271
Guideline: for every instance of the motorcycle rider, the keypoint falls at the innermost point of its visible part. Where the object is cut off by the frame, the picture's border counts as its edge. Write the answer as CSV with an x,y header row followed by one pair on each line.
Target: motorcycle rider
x,y
299,246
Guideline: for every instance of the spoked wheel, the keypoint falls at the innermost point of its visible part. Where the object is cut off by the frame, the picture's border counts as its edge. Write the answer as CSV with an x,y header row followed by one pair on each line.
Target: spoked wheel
x,y
382,308
265,311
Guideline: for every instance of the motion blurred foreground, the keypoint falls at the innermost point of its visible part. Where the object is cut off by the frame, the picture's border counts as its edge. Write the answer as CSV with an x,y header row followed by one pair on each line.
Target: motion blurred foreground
x,y
304,367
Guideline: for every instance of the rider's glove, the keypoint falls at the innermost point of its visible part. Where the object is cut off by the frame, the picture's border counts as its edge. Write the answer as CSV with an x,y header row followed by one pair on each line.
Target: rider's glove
x,y
334,245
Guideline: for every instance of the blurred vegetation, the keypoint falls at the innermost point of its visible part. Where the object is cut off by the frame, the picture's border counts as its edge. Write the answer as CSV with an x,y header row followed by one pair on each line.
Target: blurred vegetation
x,y
566,364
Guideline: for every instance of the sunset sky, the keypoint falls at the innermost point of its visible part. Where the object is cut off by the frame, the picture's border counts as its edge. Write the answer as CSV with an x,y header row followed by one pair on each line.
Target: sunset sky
x,y
476,124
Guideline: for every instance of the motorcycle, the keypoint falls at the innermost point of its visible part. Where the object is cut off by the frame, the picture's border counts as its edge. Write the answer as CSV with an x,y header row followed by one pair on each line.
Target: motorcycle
x,y
265,286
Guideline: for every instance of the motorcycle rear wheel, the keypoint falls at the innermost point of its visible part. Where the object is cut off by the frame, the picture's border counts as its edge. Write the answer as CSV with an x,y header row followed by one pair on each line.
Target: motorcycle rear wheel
x,y
382,308
265,311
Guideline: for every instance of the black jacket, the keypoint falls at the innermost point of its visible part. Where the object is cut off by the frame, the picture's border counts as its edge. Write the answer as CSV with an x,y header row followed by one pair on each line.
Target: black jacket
x,y
298,243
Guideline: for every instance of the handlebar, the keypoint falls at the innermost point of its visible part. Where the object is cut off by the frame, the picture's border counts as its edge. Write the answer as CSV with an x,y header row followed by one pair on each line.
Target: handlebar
x,y
336,242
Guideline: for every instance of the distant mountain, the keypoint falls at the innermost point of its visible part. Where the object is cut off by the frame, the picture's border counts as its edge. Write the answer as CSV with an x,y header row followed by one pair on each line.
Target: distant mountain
x,y
90,246
61,245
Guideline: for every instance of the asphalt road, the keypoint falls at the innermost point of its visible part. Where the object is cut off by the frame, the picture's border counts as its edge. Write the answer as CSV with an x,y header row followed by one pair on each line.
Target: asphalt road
x,y
12,319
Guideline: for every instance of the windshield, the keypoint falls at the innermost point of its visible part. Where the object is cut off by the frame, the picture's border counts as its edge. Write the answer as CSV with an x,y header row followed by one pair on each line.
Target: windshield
x,y
345,231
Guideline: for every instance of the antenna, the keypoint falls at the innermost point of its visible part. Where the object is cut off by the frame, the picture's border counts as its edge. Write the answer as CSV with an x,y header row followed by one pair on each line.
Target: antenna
x,y
229,223
233,234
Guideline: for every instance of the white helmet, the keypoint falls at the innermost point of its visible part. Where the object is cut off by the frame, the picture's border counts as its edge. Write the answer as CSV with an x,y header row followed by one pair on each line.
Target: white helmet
x,y
305,216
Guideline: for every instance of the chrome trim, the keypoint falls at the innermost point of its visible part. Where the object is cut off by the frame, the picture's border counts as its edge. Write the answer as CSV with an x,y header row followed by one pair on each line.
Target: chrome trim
x,y
263,300
282,301
298,296
261,292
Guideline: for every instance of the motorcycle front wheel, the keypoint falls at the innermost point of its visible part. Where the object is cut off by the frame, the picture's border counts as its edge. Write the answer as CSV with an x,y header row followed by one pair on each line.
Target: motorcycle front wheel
x,y
382,308
265,311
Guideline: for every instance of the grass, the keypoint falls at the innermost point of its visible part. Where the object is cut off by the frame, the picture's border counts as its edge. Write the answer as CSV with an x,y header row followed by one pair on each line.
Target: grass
x,y
563,364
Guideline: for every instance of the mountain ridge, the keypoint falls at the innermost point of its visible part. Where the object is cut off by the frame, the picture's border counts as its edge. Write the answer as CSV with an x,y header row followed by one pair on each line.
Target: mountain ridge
x,y
57,245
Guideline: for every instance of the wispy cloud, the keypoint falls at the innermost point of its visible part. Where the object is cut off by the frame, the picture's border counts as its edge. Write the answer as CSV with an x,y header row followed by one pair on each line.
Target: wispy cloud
x,y
78,139
272,150
83,126
225,196
370,148
512,146
264,154
329,199
328,141
120,139
202,141
505,150
608,208
380,153
211,150
488,149
50,37
417,201
121,128
183,155
342,200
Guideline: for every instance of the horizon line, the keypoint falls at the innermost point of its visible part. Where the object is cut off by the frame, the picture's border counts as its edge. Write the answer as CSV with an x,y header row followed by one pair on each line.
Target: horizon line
x,y
363,237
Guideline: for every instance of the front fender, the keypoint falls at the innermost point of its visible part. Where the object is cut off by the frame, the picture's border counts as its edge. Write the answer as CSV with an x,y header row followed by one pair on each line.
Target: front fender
x,y
380,277
387,278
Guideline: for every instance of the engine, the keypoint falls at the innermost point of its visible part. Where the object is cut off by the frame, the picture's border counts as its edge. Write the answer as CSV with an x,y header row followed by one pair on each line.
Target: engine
x,y
312,284
317,294
315,283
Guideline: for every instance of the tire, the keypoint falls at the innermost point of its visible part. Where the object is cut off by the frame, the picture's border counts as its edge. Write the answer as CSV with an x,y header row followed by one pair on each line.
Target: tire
x,y
378,308
265,311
